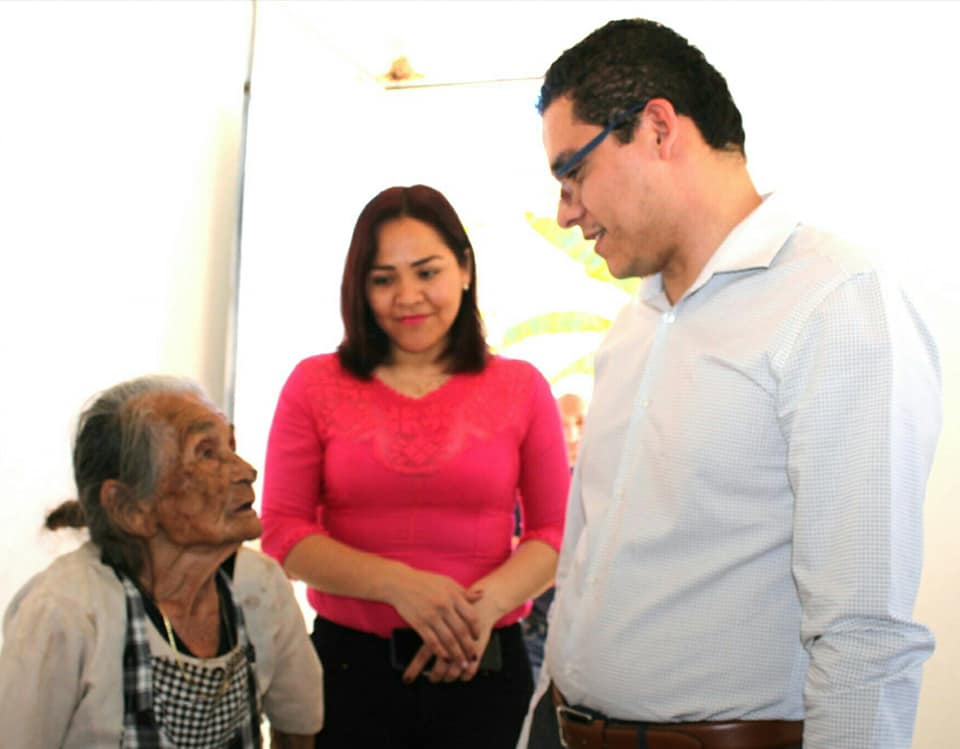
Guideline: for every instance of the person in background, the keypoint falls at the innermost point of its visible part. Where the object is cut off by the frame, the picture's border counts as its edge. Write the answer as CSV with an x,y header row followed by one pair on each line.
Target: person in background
x,y
162,630
535,623
393,467
572,411
743,537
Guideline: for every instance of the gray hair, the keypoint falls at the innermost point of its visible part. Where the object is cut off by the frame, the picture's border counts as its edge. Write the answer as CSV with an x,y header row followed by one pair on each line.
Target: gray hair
x,y
118,437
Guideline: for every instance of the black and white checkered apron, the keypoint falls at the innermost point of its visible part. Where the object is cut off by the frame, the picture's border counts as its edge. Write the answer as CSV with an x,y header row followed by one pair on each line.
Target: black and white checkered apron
x,y
212,707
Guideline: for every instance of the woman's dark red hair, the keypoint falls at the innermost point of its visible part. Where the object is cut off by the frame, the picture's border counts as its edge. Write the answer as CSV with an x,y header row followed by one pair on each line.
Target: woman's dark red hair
x,y
365,346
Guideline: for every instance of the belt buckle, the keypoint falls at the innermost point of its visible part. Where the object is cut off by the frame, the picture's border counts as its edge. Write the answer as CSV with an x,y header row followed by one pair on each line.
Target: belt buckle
x,y
570,713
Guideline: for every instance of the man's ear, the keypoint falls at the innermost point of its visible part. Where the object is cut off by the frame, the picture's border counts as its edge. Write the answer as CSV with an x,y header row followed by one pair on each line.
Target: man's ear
x,y
663,121
133,517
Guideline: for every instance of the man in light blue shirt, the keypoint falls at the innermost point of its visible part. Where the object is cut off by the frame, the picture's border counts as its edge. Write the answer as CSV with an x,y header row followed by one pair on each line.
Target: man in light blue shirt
x,y
744,530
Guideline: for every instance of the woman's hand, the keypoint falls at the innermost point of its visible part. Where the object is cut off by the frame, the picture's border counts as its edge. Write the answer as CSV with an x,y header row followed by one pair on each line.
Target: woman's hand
x,y
441,611
524,575
443,669
487,614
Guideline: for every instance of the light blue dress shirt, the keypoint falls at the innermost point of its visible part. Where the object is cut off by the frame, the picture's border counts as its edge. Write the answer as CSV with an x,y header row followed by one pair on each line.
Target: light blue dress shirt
x,y
744,528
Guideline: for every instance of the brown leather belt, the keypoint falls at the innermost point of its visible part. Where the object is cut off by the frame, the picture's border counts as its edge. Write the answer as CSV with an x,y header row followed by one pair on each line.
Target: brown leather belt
x,y
586,729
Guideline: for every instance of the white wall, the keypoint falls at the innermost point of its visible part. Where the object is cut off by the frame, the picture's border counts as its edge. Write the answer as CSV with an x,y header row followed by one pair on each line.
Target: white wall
x,y
119,154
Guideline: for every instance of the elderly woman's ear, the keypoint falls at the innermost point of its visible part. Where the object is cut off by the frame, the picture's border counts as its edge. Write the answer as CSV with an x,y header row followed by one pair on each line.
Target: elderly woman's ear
x,y
134,517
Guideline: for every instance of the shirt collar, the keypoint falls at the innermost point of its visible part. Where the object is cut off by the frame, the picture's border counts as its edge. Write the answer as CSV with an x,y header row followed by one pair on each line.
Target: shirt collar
x,y
752,245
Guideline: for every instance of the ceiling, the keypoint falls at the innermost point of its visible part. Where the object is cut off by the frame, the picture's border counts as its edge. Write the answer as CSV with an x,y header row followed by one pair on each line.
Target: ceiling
x,y
456,41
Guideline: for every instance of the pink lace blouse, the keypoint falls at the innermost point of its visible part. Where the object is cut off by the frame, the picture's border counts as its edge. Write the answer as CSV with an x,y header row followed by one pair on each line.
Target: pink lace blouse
x,y
431,481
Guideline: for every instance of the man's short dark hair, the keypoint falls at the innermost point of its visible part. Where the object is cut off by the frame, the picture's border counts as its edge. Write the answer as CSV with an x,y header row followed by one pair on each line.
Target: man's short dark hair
x,y
631,61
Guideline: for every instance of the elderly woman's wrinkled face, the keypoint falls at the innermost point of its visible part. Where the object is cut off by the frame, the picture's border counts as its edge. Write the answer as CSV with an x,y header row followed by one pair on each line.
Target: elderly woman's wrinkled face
x,y
205,493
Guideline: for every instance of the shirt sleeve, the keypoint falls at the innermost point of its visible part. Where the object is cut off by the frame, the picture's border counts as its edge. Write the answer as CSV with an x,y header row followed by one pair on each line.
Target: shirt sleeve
x,y
574,521
544,473
860,408
41,671
293,700
293,477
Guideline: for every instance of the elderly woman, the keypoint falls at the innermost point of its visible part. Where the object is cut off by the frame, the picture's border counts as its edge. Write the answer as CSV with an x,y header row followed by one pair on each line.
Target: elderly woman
x,y
161,631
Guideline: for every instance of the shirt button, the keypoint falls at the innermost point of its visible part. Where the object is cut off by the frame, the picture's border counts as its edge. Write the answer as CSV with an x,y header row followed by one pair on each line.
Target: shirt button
x,y
669,317
644,404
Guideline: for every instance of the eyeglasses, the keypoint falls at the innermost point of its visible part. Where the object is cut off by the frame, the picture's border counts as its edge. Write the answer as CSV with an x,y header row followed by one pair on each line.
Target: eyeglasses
x,y
618,120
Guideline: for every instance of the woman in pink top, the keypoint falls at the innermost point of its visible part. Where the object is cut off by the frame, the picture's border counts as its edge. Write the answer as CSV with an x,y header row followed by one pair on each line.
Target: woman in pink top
x,y
393,470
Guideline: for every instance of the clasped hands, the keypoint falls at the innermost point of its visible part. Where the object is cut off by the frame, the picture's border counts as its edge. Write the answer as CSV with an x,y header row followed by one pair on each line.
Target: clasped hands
x,y
454,623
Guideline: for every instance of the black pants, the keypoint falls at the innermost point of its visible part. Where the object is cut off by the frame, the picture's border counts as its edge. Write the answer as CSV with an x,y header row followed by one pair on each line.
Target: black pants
x,y
368,705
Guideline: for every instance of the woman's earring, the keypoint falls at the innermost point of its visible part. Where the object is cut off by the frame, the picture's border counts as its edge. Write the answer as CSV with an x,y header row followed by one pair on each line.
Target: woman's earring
x,y
466,287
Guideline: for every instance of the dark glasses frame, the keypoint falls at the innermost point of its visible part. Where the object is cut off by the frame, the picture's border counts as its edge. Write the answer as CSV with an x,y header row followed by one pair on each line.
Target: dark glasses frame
x,y
617,120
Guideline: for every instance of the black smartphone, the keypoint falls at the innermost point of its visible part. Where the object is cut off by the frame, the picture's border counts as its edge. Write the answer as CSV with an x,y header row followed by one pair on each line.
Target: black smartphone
x,y
404,644
492,659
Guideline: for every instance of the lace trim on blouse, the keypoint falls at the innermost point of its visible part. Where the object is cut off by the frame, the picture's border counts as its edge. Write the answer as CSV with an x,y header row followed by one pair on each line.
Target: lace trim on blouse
x,y
415,435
